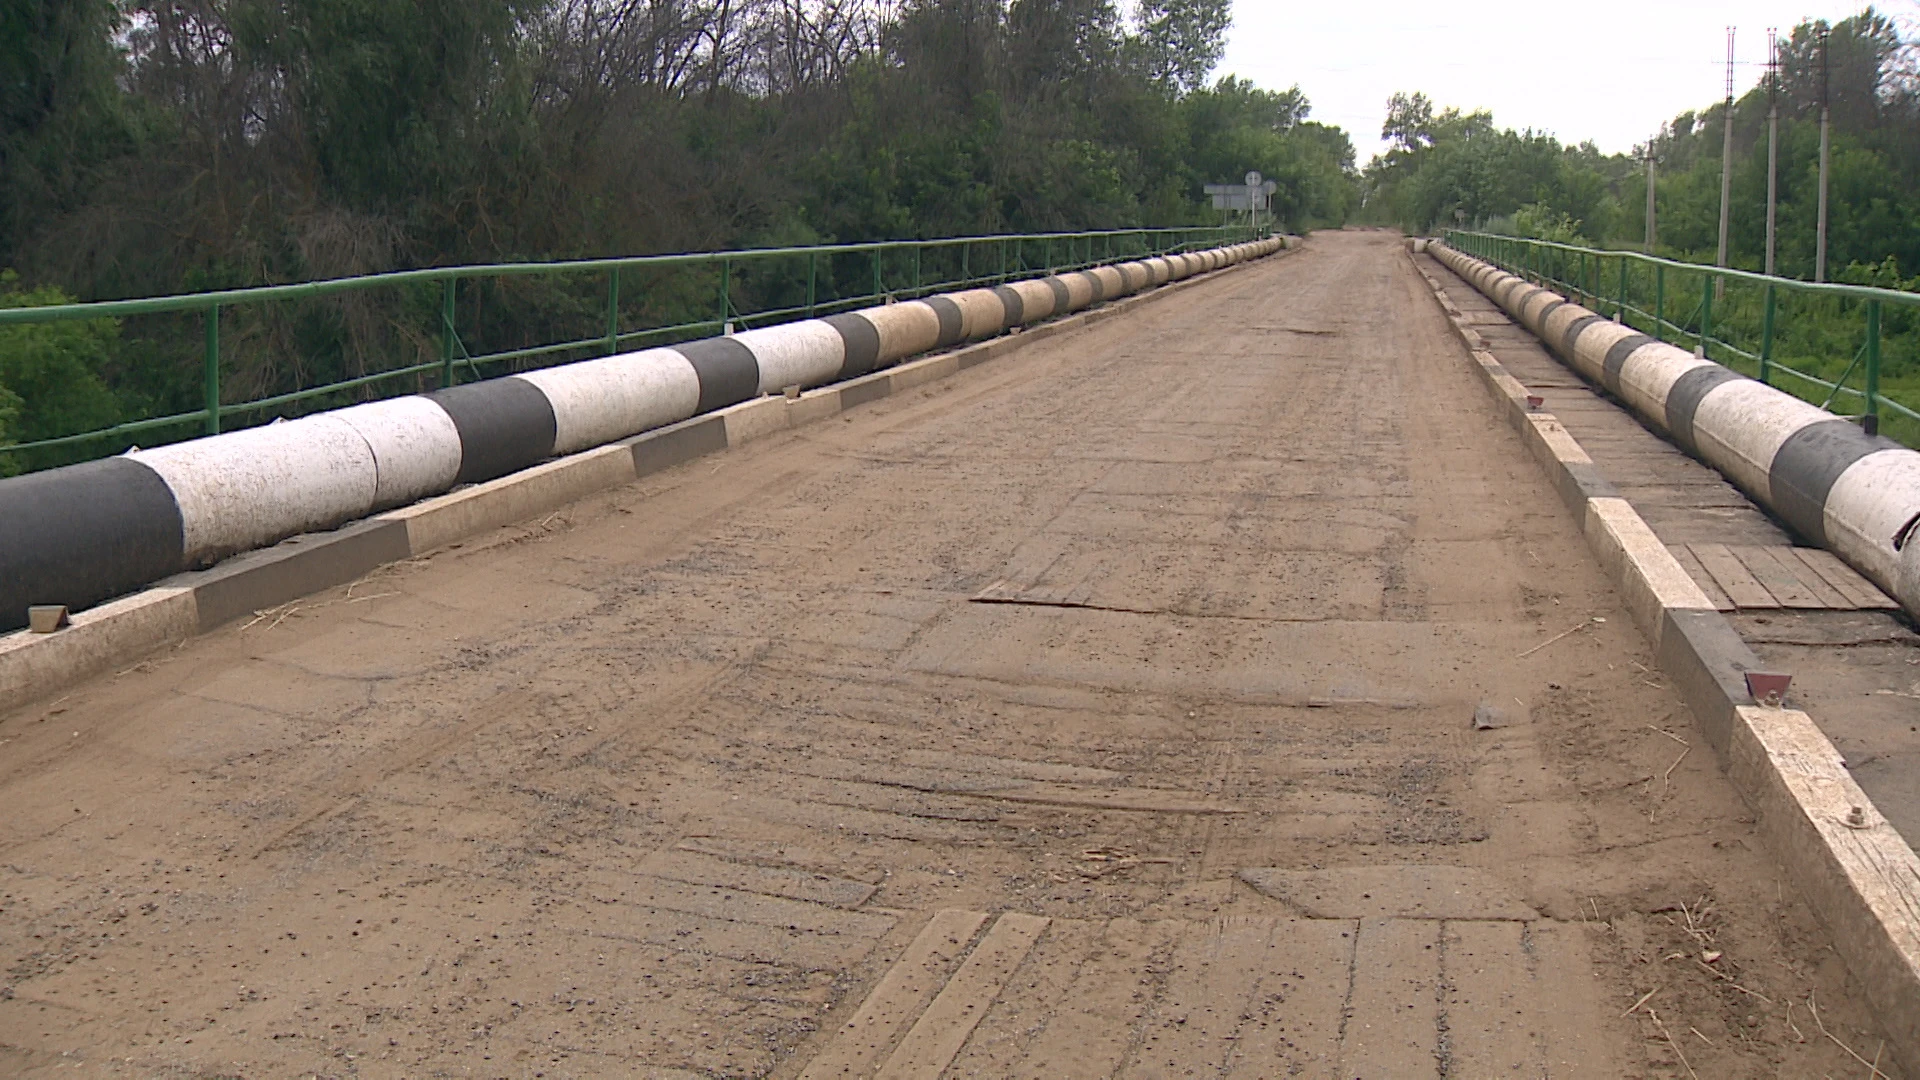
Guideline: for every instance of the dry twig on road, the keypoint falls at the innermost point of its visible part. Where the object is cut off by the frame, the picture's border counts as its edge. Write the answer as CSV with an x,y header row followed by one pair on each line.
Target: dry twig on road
x,y
1673,1043
1873,1067
1584,623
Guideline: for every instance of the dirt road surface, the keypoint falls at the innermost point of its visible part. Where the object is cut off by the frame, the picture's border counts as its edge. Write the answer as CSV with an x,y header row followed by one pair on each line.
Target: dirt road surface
x,y
1105,710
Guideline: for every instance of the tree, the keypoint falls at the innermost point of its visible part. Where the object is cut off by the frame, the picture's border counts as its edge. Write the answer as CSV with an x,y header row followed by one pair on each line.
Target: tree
x,y
1409,124
1179,42
391,100
51,373
61,113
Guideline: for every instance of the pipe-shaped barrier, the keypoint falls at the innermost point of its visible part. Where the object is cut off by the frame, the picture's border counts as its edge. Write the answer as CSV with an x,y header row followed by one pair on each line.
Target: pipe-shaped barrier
x,y
1857,495
85,533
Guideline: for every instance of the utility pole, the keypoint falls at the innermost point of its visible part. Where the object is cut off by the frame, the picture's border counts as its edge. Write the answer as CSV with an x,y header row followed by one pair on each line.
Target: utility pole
x,y
1820,239
1650,225
1726,172
1773,137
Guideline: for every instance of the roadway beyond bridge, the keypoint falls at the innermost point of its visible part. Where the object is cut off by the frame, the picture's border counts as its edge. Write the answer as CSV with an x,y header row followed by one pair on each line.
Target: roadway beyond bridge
x,y
1103,710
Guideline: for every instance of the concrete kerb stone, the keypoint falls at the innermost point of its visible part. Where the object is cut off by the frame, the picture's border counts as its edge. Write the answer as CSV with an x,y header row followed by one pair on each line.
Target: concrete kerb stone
x,y
98,639
1652,583
1867,885
663,448
33,666
299,566
1863,881
755,419
514,497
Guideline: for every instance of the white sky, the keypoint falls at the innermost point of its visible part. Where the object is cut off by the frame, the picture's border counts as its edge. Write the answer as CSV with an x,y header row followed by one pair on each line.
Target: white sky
x,y
1610,71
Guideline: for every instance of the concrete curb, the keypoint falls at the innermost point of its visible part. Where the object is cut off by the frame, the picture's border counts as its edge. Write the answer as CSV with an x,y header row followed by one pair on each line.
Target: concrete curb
x,y
1862,880
33,666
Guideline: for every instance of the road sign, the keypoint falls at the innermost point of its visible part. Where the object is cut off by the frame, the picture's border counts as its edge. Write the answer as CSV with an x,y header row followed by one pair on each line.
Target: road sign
x,y
1241,196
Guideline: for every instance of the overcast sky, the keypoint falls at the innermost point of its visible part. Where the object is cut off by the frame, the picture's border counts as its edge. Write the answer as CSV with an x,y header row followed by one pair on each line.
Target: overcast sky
x,y
1609,71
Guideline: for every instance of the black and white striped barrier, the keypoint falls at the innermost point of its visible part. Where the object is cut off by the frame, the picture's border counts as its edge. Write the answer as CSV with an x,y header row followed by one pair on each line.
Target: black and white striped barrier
x,y
1856,494
79,535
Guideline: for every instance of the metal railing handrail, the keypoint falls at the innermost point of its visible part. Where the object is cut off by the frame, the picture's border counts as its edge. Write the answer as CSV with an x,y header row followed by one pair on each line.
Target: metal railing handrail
x,y
1839,288
304,290
1500,250
1012,249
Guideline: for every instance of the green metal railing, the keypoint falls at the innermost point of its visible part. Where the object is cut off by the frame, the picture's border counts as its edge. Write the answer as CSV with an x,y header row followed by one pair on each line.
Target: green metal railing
x,y
1787,333
786,283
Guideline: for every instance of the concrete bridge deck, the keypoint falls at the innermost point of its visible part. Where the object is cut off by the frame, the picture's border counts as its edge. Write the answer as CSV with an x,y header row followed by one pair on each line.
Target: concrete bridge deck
x,y
1103,710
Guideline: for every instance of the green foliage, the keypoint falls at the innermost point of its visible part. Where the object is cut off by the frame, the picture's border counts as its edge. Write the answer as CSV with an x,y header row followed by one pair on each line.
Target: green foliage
x,y
1543,222
1448,168
52,374
62,115
1884,274
1236,126
10,407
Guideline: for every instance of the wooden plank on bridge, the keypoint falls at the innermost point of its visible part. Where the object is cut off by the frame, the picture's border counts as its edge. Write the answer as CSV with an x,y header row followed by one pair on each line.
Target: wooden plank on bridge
x,y
1734,579
1775,577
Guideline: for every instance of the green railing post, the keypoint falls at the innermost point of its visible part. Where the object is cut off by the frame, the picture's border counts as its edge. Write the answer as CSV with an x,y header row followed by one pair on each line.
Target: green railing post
x,y
1706,312
1766,335
877,254
446,333
1620,300
1660,301
613,311
1873,366
916,269
812,259
726,289
1003,261
966,271
210,374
